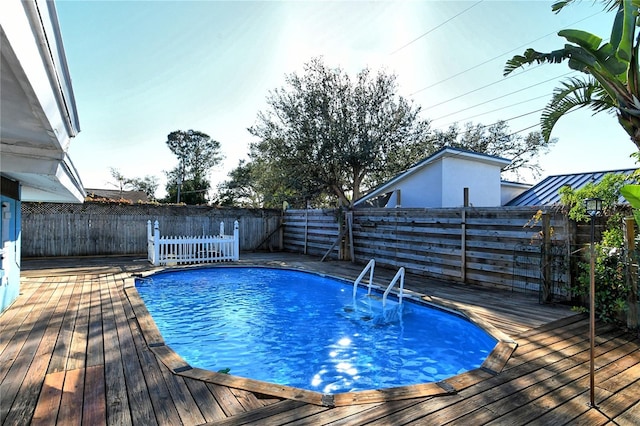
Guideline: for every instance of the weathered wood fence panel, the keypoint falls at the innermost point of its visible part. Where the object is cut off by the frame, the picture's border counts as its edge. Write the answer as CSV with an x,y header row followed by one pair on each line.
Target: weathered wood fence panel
x,y
89,229
311,231
473,245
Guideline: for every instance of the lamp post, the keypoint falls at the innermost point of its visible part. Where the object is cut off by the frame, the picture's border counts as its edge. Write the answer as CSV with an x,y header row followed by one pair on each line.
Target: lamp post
x,y
593,206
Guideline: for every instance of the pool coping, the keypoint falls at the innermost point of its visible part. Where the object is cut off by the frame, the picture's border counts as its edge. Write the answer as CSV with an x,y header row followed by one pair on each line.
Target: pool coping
x,y
493,364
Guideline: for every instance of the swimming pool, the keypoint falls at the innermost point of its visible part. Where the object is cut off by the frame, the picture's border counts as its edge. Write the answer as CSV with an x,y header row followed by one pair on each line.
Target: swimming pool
x,y
300,329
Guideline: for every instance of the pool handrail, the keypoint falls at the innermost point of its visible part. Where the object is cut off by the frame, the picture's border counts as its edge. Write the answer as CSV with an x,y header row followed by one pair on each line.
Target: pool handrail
x,y
399,275
370,267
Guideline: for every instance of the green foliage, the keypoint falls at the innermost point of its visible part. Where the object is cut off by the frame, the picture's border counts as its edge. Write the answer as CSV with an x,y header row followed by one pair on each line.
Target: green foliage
x,y
148,185
608,190
197,154
326,134
496,139
612,66
611,289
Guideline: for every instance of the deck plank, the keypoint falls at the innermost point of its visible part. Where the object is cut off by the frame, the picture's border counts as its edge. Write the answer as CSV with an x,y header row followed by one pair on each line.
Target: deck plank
x,y
116,398
25,402
77,356
48,403
630,417
260,416
139,402
183,400
17,331
209,407
227,400
63,343
94,410
166,413
70,412
13,403
95,338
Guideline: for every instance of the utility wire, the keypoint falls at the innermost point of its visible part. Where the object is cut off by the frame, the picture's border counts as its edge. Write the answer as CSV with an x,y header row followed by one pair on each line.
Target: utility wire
x,y
498,57
436,27
536,125
475,90
522,130
484,126
497,109
503,96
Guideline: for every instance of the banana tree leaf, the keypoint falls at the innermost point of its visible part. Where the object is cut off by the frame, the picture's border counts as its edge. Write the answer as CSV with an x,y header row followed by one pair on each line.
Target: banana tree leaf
x,y
606,55
628,29
557,7
584,39
616,29
631,193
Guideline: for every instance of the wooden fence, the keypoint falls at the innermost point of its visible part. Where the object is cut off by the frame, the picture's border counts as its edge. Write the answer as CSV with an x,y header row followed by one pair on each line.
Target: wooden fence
x,y
90,229
471,245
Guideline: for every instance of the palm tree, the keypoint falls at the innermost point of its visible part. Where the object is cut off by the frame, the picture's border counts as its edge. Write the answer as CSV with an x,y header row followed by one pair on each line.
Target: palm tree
x,y
612,83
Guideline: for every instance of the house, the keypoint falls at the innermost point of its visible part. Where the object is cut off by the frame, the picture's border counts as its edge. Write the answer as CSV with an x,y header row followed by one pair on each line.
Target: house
x,y
546,192
38,119
445,179
116,195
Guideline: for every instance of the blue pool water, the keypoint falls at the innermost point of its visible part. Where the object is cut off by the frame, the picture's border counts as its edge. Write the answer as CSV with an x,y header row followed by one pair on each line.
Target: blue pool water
x,y
301,329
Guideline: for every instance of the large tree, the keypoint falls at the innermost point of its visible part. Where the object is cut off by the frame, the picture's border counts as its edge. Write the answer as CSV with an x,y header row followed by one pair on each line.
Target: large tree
x,y
197,154
326,135
613,80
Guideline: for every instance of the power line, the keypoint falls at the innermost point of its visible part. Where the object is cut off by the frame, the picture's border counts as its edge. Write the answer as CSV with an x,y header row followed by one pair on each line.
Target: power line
x,y
502,96
522,130
498,109
484,126
498,57
436,27
475,90
536,125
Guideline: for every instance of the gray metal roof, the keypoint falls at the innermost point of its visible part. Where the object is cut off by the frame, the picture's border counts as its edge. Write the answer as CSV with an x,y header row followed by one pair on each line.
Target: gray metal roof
x,y
546,192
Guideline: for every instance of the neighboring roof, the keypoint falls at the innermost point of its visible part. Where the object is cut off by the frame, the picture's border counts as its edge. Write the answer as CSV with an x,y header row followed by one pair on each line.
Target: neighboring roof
x,y
38,110
117,195
515,184
444,152
546,192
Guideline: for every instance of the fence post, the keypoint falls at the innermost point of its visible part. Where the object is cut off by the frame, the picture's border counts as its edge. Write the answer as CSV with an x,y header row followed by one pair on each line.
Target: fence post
x,y
236,241
632,272
546,259
156,243
221,229
463,243
149,244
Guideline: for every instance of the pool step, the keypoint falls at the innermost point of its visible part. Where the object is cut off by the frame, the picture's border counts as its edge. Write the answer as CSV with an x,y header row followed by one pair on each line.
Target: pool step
x,y
369,308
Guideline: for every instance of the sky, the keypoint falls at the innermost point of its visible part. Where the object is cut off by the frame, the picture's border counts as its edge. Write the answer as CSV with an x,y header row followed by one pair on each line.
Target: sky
x,y
142,69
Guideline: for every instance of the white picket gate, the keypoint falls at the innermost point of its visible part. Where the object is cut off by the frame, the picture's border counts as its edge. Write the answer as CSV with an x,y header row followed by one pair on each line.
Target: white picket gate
x,y
182,250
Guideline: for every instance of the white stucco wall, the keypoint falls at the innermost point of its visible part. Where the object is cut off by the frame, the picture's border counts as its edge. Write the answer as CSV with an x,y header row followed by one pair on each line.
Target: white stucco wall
x,y
422,189
442,184
482,179
509,191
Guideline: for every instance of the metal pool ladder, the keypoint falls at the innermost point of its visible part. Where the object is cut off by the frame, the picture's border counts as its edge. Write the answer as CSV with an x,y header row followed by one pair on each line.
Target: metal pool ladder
x,y
370,268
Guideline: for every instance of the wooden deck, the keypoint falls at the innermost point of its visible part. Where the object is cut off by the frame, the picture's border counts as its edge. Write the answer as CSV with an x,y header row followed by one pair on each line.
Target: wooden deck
x,y
72,351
